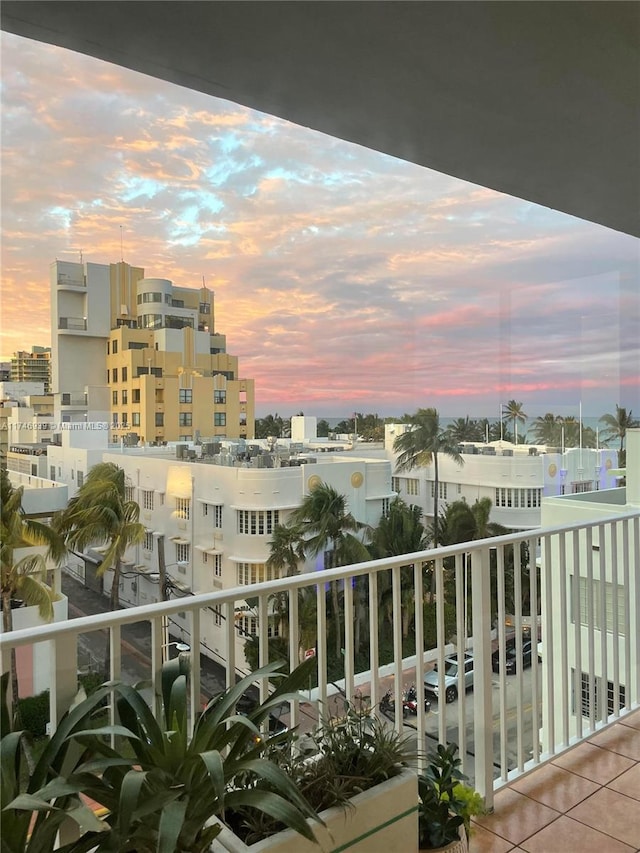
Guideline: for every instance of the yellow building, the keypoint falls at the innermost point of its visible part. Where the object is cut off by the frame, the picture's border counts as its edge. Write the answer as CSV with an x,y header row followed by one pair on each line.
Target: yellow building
x,y
169,376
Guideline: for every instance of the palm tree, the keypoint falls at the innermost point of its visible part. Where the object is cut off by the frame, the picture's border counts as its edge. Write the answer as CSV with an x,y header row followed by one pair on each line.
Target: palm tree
x,y
24,579
287,549
326,525
401,531
513,412
100,515
420,445
546,429
616,427
465,429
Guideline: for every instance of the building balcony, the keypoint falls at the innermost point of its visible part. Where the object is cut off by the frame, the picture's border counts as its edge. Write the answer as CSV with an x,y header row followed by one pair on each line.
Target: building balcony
x,y
553,744
72,324
73,401
65,282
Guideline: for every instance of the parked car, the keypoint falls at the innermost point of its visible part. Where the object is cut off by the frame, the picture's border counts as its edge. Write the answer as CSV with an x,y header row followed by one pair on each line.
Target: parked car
x,y
431,679
511,657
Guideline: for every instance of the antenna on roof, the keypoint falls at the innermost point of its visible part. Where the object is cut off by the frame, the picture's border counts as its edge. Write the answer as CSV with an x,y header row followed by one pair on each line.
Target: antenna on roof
x,y
80,255
121,249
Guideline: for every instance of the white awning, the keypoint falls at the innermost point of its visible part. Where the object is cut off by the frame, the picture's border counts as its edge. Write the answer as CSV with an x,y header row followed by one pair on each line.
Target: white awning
x,y
263,507
210,501
177,540
206,550
252,560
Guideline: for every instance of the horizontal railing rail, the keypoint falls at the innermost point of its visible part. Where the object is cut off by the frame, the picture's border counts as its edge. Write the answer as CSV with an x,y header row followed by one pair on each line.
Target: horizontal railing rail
x,y
535,691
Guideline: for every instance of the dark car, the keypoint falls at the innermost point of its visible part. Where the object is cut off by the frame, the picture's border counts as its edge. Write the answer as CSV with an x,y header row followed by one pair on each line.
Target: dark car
x,y
511,657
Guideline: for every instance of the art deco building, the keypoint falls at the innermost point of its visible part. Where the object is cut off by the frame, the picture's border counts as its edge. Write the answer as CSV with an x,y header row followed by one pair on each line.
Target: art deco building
x,y
144,355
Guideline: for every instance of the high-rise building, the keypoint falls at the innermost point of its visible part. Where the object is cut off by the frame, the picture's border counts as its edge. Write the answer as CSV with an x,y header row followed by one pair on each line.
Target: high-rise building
x,y
34,366
144,355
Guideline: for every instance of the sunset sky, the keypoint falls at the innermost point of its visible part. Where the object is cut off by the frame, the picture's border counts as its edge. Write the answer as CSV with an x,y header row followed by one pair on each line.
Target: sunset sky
x,y
344,279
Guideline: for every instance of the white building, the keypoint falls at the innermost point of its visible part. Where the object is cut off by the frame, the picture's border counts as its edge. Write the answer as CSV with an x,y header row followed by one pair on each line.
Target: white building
x,y
216,516
514,477
607,668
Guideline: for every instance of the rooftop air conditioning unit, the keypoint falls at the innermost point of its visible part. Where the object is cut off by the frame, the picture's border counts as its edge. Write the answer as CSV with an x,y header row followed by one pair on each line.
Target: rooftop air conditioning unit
x,y
181,450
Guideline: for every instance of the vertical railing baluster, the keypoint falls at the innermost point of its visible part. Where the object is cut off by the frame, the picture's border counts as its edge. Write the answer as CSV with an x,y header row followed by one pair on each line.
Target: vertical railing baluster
x,y
157,640
535,679
604,628
349,645
115,668
591,647
438,568
418,603
517,595
460,570
396,581
321,619
632,613
615,613
482,693
562,664
374,645
230,632
263,643
294,650
578,685
502,643
194,667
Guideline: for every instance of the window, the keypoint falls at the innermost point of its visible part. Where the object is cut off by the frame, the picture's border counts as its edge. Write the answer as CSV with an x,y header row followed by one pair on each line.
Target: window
x,y
249,573
125,374
114,373
586,697
204,308
185,419
147,499
385,507
114,398
129,493
151,297
243,418
216,511
185,437
442,490
612,607
395,484
217,616
115,419
159,419
125,422
185,395
219,396
183,552
150,321
257,522
581,486
135,395
217,565
148,540
183,508
219,419
242,396
135,418
412,486
247,626
114,347
125,397
52,472
107,347
80,478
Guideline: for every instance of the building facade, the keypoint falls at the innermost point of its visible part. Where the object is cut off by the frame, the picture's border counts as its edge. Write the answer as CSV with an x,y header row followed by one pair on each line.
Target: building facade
x,y
144,356
515,478
34,366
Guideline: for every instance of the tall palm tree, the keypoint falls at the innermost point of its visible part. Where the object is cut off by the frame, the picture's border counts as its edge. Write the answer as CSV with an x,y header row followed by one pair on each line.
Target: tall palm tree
x,y
546,429
24,579
421,445
465,429
100,515
616,427
513,412
326,525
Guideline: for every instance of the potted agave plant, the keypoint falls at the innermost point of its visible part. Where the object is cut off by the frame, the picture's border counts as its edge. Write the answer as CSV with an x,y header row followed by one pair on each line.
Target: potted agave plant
x,y
446,804
353,772
163,787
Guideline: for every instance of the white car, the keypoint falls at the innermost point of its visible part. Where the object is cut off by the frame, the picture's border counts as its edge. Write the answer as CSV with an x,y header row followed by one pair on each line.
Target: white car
x,y
432,681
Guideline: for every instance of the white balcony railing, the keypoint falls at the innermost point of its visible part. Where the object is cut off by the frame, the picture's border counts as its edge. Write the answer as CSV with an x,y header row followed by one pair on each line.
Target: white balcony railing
x,y
588,588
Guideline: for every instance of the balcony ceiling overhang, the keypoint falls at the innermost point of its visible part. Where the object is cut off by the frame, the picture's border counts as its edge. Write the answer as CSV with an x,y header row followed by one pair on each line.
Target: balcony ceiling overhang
x,y
537,100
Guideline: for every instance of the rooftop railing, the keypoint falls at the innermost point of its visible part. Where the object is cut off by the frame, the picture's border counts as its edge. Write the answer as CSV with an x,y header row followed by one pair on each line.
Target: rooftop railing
x,y
529,693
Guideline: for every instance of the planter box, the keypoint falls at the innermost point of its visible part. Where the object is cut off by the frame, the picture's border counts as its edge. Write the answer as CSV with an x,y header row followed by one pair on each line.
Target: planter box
x,y
377,821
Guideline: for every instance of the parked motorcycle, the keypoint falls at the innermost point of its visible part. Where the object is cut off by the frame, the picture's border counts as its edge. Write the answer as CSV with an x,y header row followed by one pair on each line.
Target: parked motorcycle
x,y
410,701
388,705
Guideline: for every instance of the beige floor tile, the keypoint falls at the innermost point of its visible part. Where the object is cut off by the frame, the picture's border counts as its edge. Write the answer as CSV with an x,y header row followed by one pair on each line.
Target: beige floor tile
x,y
568,836
588,760
555,787
628,783
625,740
611,813
632,720
516,817
483,841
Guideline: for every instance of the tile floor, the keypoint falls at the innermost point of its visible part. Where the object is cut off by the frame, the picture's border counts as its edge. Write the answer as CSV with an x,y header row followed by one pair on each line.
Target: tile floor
x,y
586,800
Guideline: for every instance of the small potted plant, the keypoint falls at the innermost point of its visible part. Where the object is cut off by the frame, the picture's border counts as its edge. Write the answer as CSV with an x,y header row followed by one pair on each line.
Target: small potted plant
x,y
446,803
